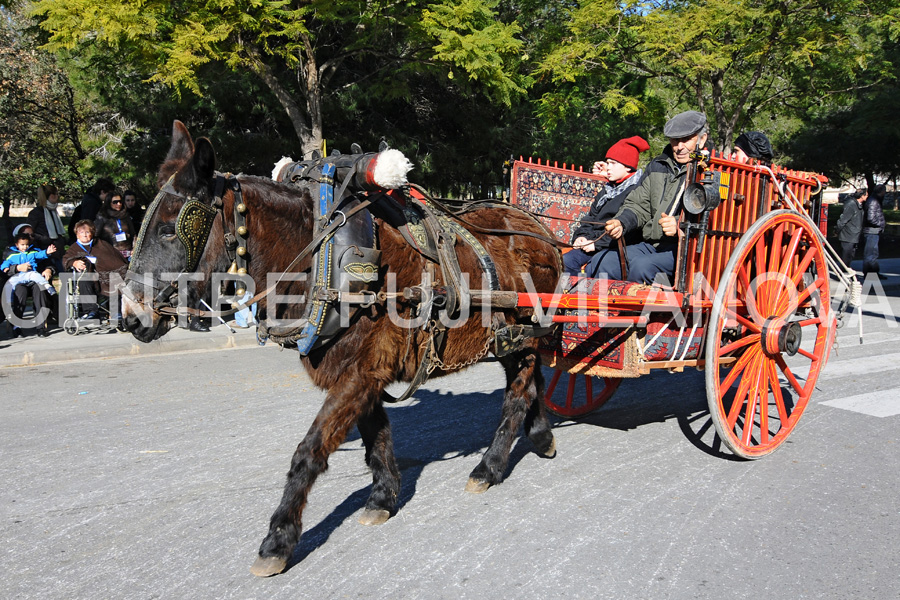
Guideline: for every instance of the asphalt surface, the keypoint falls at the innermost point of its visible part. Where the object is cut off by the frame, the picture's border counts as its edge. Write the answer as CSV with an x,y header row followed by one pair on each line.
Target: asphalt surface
x,y
152,473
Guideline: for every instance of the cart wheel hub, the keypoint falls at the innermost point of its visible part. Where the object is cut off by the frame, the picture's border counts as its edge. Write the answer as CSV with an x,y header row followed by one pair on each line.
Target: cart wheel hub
x,y
781,337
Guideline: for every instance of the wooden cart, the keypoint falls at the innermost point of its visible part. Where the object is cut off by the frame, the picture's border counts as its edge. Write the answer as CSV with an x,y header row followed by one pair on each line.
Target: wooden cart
x,y
750,303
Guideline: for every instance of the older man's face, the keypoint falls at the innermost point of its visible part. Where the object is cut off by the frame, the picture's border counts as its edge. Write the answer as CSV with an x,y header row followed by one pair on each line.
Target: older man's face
x,y
682,147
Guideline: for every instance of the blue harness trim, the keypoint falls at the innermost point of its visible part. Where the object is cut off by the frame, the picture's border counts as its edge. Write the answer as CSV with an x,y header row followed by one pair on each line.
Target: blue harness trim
x,y
322,262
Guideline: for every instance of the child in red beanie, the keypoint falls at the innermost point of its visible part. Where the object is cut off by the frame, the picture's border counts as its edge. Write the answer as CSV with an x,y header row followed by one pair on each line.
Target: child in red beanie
x,y
620,168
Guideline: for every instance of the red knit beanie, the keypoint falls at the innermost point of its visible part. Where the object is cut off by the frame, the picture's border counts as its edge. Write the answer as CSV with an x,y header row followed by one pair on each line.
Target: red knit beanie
x,y
628,151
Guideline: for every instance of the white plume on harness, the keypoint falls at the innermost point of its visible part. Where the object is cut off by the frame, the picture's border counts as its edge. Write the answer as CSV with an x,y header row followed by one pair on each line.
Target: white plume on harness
x,y
285,161
391,168
389,171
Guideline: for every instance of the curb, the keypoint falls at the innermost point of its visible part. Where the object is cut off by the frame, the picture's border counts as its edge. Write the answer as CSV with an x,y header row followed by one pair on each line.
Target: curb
x,y
100,346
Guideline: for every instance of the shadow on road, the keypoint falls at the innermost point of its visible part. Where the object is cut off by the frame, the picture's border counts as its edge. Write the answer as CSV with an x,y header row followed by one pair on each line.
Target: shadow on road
x,y
440,426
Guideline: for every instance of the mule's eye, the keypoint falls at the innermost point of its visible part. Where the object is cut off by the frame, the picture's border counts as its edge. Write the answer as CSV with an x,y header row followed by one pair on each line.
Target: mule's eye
x,y
166,232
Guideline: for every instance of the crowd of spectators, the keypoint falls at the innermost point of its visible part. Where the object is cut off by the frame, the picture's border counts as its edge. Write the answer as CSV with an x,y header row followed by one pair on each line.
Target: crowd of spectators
x,y
97,243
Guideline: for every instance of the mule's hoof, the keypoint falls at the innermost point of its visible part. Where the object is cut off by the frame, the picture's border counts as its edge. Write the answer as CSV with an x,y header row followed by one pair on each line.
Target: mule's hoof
x,y
477,486
551,451
374,517
268,566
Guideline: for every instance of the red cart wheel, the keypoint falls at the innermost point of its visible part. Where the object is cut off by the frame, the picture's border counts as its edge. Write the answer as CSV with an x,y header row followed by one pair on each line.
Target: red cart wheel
x,y
769,334
571,404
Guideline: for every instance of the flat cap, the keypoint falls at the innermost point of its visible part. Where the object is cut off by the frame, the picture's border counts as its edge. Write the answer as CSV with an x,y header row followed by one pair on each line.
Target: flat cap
x,y
684,124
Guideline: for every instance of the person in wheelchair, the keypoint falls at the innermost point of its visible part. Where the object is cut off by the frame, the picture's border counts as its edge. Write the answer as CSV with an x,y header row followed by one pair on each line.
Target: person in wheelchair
x,y
91,255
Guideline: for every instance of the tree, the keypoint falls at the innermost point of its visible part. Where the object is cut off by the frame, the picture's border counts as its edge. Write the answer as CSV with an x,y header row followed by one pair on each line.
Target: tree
x,y
739,61
40,118
860,137
302,49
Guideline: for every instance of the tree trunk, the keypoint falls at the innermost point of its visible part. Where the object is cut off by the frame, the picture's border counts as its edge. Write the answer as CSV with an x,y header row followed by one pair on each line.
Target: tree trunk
x,y
313,95
307,125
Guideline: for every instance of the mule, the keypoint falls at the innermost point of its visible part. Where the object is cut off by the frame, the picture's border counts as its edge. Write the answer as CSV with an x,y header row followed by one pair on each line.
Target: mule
x,y
373,351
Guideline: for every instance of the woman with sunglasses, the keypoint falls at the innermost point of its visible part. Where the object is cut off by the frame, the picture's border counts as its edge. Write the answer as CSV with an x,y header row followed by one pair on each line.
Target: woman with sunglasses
x,y
114,225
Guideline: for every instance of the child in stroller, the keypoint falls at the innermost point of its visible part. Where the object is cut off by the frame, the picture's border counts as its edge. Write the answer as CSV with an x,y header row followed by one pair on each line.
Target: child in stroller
x,y
22,267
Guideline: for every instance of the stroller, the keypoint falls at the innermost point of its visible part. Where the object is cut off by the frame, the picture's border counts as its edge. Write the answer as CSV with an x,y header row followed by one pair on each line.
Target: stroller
x,y
76,318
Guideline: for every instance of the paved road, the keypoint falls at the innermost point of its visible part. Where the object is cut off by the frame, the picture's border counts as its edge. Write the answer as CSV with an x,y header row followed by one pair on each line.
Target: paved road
x,y
154,477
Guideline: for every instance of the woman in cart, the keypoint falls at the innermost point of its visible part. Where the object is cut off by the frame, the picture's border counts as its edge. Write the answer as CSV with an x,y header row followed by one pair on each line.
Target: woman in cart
x,y
589,240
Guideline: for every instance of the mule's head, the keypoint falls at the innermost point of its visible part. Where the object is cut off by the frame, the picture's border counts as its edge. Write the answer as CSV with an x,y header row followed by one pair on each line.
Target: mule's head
x,y
161,270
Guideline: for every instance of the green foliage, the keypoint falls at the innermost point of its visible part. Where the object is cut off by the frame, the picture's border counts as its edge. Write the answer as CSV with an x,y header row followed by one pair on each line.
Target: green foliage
x,y
460,85
740,61
39,119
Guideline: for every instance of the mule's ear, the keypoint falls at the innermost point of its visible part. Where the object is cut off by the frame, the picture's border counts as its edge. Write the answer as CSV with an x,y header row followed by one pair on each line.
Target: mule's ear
x,y
182,144
204,161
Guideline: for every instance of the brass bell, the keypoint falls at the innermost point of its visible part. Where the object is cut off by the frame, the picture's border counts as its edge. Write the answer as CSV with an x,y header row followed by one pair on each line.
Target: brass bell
x,y
240,291
242,271
242,250
242,208
242,231
232,270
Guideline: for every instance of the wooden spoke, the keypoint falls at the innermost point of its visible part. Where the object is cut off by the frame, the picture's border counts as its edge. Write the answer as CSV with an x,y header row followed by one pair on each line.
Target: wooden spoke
x,y
789,374
743,389
569,403
736,370
776,392
737,345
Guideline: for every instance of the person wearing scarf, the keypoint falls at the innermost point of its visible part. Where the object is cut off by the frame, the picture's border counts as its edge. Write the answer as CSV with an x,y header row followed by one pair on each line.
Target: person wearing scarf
x,y
589,240
48,228
94,255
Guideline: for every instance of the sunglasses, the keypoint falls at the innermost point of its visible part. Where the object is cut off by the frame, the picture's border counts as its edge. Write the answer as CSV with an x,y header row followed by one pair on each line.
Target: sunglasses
x,y
116,202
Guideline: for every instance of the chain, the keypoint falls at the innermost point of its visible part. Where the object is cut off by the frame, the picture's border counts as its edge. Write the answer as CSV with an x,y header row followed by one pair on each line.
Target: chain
x,y
435,360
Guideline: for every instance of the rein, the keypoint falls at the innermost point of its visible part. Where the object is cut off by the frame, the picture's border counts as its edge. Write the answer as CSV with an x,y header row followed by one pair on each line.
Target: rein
x,y
467,206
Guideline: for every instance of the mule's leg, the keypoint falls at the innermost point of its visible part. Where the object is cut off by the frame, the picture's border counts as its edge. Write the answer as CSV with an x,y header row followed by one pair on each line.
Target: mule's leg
x,y
338,414
375,430
522,381
537,425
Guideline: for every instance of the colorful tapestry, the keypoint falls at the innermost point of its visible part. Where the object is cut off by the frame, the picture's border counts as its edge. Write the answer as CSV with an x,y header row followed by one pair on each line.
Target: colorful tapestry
x,y
554,192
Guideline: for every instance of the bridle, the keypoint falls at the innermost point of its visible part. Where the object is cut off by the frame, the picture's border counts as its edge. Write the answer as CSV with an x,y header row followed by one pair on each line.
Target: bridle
x,y
193,226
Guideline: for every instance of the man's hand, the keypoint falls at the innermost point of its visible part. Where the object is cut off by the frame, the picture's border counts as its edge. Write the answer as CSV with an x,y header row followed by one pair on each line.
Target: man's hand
x,y
669,225
48,274
599,168
584,244
79,265
23,268
614,228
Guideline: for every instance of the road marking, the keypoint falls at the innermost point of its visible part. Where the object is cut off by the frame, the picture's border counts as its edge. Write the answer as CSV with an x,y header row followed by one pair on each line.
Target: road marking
x,y
860,366
885,403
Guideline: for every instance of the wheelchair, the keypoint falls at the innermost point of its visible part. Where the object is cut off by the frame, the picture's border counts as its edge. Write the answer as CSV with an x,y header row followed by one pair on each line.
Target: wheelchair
x,y
77,320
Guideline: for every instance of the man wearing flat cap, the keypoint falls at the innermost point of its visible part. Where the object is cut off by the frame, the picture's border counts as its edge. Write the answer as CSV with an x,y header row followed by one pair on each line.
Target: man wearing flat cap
x,y
647,206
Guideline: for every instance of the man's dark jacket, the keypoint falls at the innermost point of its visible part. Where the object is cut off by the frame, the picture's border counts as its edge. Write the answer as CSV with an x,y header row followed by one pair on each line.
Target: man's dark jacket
x,y
849,224
642,209
874,216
